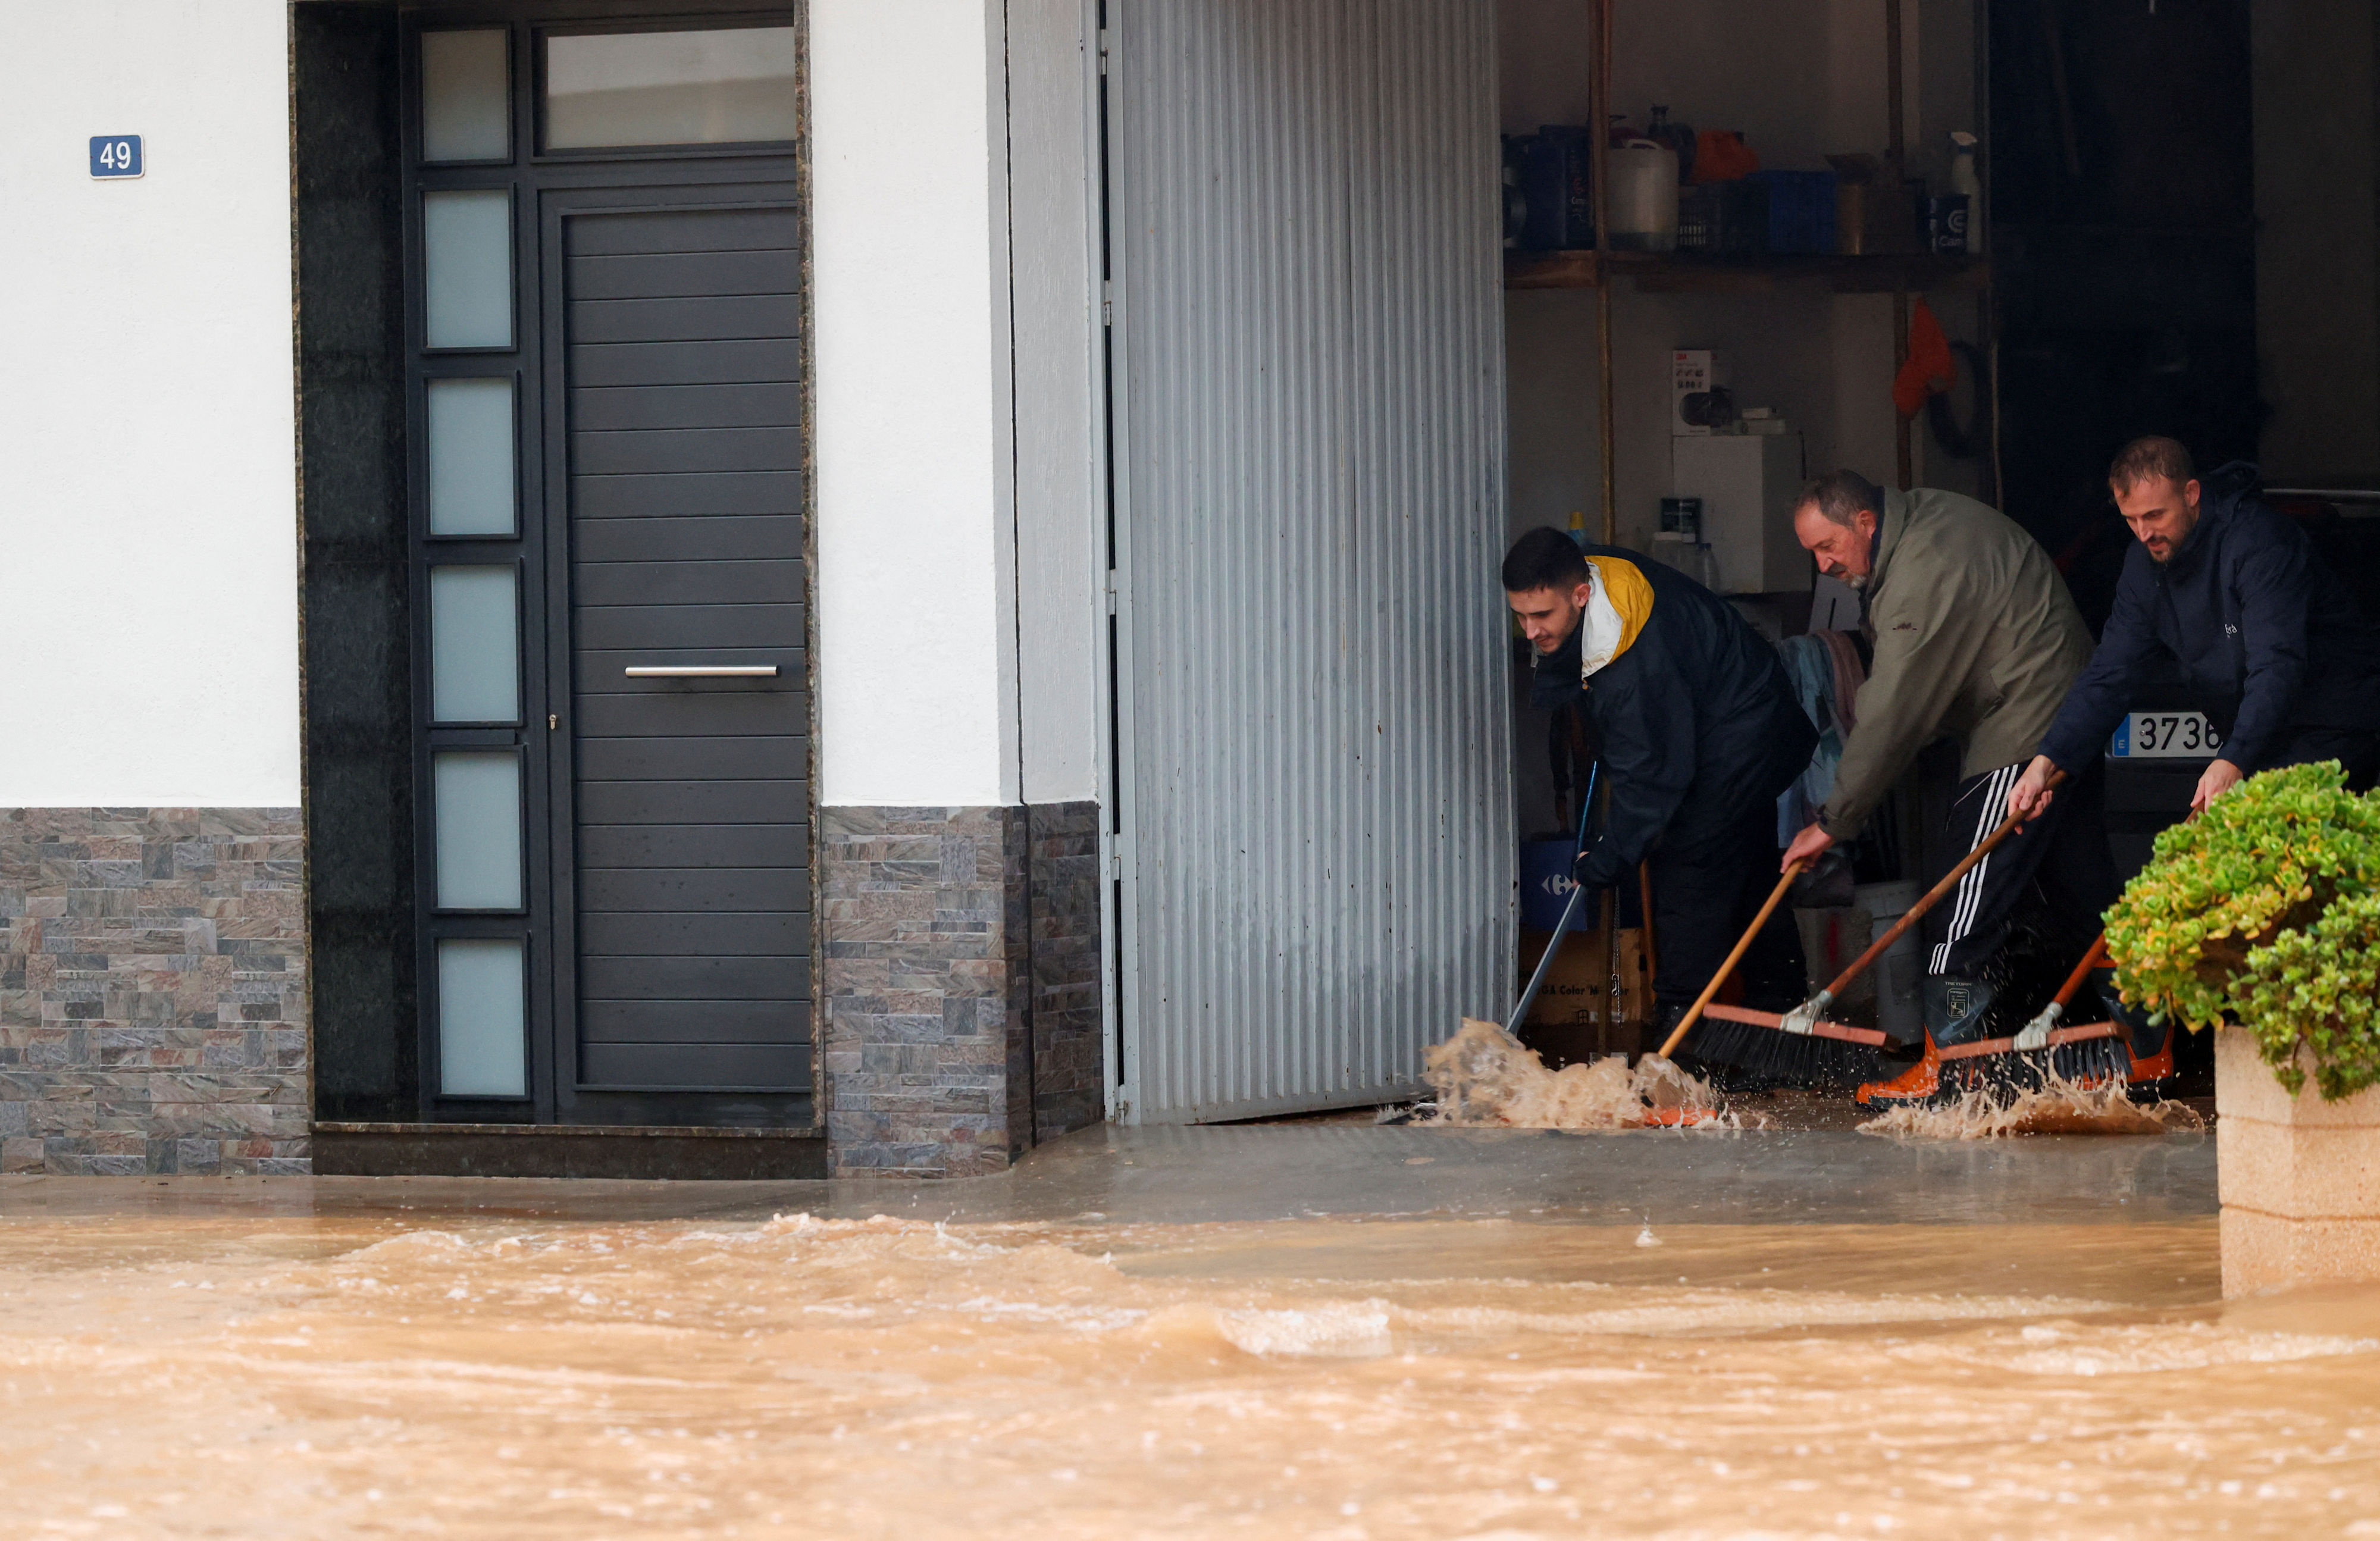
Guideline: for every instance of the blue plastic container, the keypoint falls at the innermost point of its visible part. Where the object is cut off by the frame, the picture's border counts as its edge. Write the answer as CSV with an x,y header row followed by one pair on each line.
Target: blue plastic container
x,y
1800,211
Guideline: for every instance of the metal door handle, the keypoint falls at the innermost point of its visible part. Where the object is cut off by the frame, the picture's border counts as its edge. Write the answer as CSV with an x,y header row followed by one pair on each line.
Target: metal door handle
x,y
701,671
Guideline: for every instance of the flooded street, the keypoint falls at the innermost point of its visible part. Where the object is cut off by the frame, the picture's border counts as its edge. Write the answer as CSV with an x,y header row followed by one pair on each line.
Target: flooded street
x,y
1506,1349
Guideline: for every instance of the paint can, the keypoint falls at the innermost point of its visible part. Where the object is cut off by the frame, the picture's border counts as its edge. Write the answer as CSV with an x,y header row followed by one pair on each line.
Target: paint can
x,y
1946,225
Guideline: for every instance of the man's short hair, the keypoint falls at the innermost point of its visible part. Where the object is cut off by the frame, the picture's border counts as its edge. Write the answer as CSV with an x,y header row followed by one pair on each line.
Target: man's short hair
x,y
1842,497
2153,456
1545,558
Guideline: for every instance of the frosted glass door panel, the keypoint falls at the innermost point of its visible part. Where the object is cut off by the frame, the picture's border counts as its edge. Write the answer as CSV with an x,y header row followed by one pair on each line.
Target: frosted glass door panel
x,y
474,645
482,1020
477,798
471,458
727,86
465,96
467,253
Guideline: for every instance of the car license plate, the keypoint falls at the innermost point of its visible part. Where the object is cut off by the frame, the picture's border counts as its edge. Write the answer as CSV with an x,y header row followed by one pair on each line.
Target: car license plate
x,y
2165,735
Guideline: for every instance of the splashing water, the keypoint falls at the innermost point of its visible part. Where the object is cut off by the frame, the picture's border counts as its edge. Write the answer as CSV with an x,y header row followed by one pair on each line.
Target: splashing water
x,y
1484,1075
2057,1107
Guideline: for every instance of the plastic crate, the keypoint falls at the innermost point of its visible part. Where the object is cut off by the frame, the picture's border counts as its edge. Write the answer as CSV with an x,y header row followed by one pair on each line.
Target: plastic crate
x,y
1801,210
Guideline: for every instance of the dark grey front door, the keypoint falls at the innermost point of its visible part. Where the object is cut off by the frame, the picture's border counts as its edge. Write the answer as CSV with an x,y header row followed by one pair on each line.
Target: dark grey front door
x,y
687,802
604,307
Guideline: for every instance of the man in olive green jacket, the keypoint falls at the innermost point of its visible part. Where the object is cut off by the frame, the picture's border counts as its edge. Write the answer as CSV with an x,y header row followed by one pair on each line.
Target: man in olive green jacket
x,y
1976,638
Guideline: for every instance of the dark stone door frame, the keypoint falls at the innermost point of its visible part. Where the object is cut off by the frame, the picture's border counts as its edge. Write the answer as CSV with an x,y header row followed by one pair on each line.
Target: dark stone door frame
x,y
352,86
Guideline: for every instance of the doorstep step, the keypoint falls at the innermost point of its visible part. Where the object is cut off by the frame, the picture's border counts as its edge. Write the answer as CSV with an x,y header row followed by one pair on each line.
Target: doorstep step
x,y
684,1153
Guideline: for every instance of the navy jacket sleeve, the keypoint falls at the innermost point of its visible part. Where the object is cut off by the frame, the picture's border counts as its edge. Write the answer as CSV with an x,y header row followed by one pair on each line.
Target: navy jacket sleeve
x,y
1647,732
2104,690
2273,586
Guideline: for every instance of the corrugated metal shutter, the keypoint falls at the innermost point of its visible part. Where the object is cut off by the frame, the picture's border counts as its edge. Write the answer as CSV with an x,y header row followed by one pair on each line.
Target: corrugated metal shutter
x,y
1316,773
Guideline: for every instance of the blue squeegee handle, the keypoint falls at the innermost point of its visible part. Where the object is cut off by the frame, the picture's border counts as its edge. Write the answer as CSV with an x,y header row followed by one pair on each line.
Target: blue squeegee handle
x,y
1569,910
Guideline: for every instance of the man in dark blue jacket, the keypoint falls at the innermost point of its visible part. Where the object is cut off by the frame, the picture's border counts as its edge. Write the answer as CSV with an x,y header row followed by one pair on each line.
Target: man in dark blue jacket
x,y
1697,730
2267,637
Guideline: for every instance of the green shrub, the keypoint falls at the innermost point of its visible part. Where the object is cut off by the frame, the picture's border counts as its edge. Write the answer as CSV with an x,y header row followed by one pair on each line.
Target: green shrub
x,y
2264,910
2317,987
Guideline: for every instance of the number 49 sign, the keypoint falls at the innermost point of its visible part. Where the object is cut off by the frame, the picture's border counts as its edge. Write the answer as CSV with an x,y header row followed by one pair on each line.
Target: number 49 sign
x,y
115,156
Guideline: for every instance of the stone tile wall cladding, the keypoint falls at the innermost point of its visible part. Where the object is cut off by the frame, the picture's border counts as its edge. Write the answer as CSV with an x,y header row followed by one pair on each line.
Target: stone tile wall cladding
x,y
1068,899
153,991
961,984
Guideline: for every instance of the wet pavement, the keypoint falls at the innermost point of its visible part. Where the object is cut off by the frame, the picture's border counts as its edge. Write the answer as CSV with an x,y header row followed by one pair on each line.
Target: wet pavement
x,y
1290,1171
1292,1330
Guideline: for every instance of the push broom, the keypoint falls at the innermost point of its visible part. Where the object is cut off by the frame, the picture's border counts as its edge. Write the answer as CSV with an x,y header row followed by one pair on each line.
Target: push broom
x,y
1769,1046
2089,1053
1829,1052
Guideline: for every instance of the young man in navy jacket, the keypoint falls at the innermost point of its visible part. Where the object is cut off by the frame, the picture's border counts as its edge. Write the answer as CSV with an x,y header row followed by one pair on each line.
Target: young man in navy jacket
x,y
2266,637
1697,730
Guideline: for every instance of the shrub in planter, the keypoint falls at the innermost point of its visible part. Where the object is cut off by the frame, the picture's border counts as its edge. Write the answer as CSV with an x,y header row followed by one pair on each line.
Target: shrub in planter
x,y
2317,987
2266,910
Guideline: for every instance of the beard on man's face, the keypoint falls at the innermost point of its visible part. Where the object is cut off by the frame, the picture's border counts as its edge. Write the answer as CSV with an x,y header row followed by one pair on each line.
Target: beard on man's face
x,y
1565,620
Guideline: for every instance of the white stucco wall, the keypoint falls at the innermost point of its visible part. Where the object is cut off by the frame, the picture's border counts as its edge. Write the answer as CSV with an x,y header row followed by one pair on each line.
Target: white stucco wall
x,y
915,476
148,524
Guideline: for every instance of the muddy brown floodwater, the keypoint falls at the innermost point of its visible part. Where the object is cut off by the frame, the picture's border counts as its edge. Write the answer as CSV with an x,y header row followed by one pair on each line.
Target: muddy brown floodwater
x,y
257,1376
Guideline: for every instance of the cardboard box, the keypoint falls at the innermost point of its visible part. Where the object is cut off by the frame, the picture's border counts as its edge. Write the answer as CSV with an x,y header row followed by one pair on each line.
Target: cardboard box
x,y
1569,1021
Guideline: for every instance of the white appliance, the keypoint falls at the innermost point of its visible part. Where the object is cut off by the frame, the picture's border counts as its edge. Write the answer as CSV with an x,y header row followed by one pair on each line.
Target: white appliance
x,y
1748,483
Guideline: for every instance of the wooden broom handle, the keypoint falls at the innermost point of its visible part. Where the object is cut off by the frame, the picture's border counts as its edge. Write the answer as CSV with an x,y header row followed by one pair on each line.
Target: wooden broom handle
x,y
1694,1014
1933,897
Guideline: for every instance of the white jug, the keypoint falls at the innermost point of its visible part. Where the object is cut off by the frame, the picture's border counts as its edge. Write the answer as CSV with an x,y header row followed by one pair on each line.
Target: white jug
x,y
1643,197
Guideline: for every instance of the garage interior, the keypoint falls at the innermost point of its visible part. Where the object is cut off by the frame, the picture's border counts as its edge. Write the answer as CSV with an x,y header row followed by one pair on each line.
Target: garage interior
x,y
2176,237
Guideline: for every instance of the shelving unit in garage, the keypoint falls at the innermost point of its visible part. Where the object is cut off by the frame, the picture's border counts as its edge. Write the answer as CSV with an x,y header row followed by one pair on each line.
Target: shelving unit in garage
x,y
1902,275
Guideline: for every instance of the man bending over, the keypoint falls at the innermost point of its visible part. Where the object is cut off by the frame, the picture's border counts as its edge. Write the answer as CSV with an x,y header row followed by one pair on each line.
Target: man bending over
x,y
1697,730
1975,638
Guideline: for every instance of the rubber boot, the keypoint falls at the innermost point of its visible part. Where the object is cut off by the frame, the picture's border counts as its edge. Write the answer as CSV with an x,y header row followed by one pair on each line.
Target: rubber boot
x,y
1916,1083
1955,1009
2150,1046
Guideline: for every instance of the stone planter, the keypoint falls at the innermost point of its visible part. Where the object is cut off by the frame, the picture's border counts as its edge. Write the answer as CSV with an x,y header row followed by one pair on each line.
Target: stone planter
x,y
2300,1177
